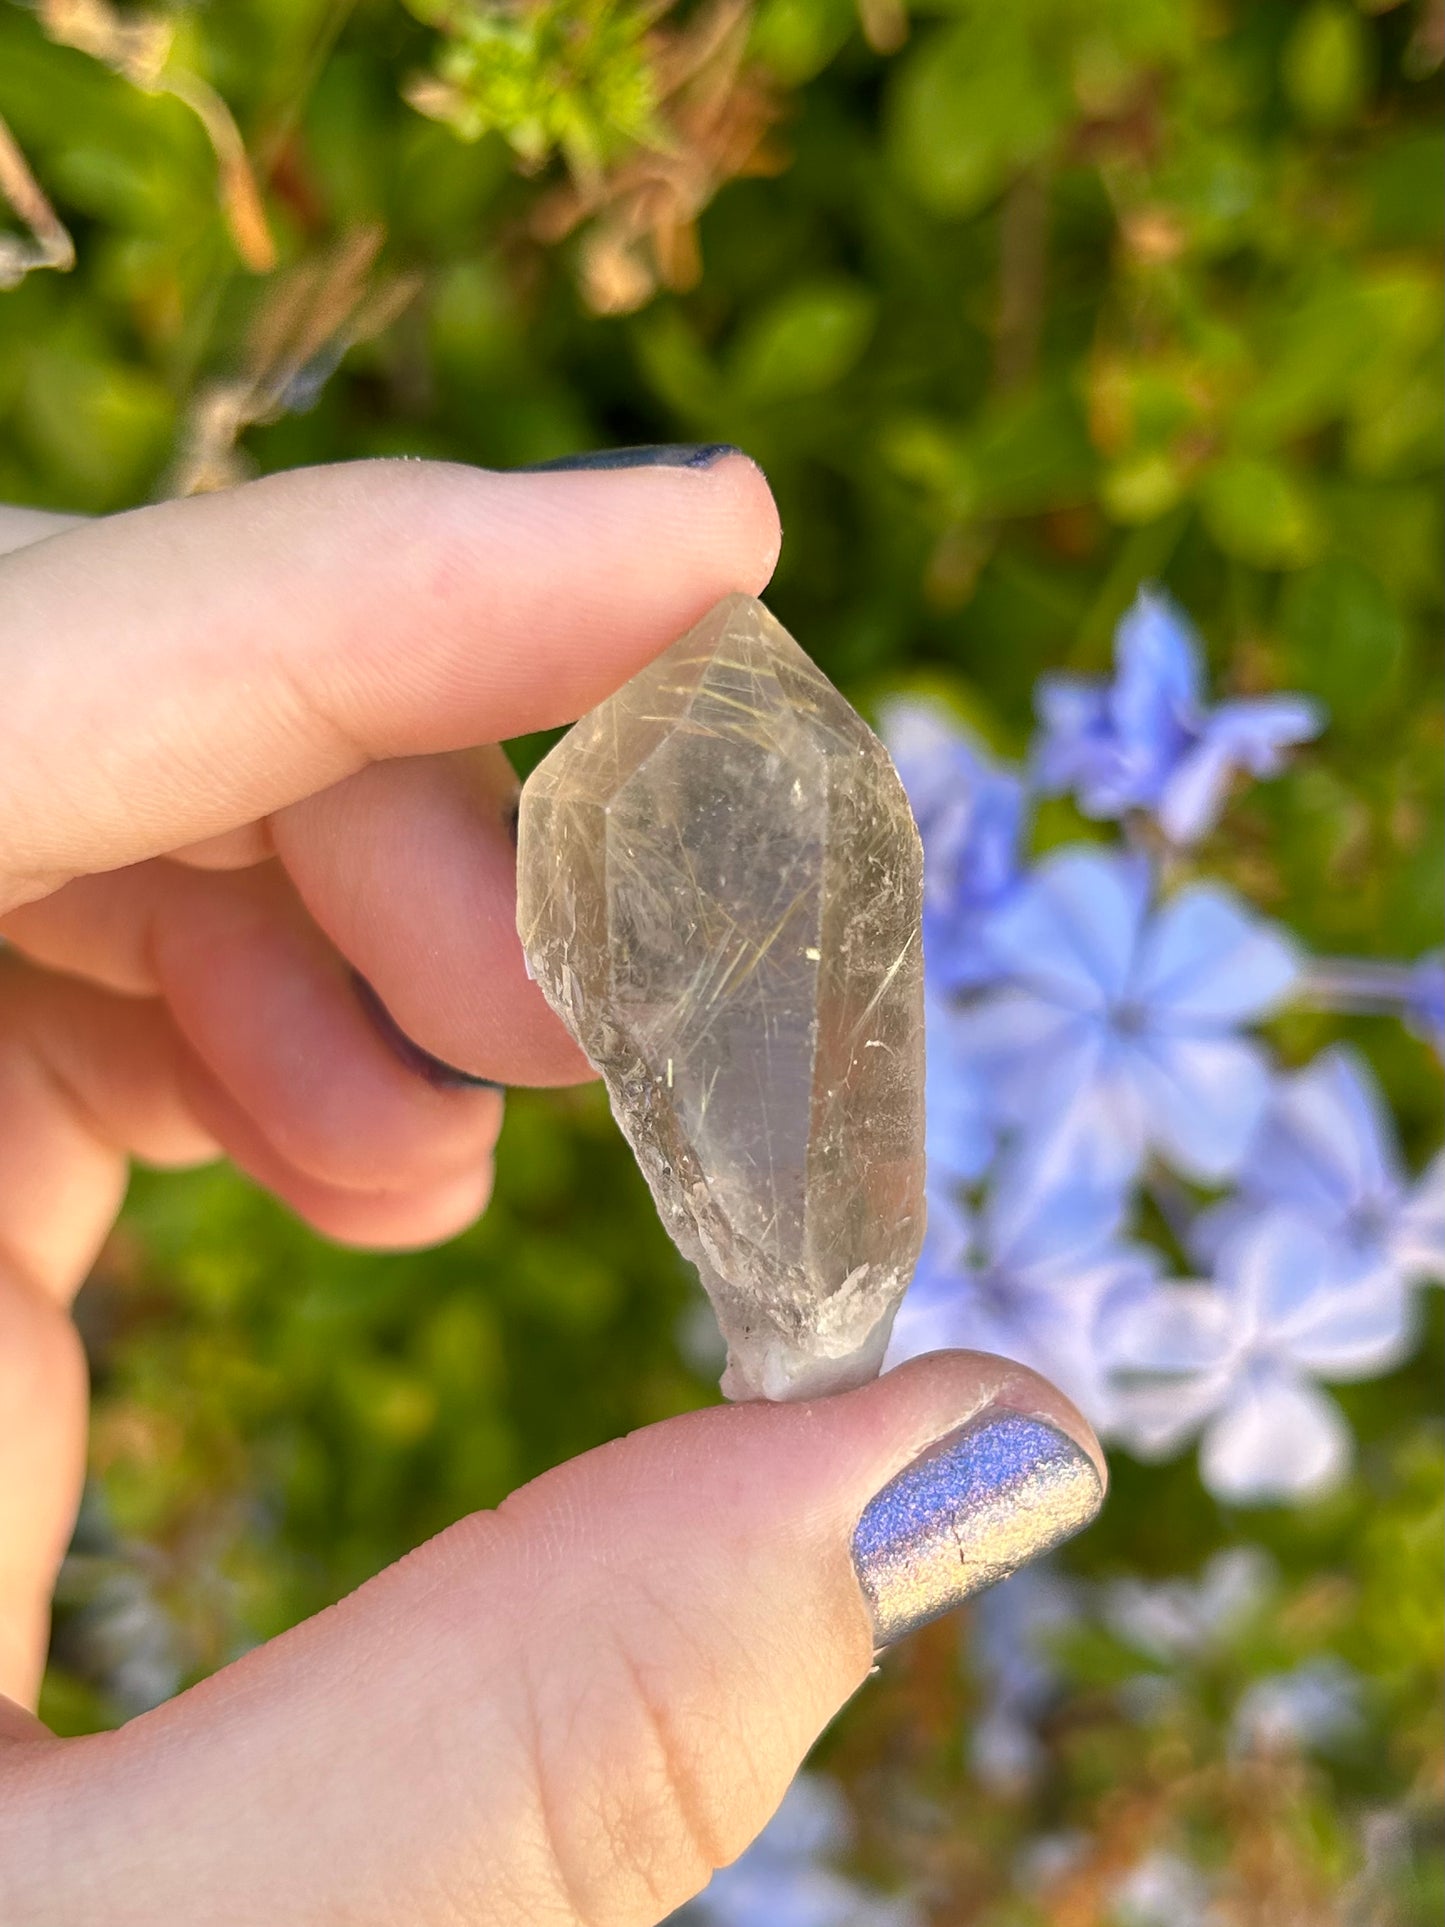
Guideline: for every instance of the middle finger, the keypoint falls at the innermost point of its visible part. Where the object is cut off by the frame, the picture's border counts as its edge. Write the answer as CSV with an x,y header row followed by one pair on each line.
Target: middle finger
x,y
270,1010
408,867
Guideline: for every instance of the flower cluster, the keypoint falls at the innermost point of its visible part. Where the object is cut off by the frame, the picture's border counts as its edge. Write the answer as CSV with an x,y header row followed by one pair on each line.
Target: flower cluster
x,y
1146,741
1163,1638
1153,1652
1096,1068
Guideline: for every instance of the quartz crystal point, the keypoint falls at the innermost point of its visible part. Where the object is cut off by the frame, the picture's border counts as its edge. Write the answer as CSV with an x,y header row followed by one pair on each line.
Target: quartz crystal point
x,y
720,894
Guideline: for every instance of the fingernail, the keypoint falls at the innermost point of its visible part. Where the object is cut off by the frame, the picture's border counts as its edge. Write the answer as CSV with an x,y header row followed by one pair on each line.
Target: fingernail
x,y
966,1513
650,455
434,1070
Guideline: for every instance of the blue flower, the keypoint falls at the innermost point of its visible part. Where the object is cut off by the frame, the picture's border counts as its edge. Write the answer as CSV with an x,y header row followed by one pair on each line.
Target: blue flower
x,y
971,816
1237,1361
962,1120
1120,1023
1147,741
1325,1149
1027,1276
1179,1622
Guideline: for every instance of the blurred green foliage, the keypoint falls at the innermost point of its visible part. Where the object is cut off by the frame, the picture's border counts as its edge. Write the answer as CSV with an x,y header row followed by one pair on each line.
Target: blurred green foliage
x,y
556,77
1018,306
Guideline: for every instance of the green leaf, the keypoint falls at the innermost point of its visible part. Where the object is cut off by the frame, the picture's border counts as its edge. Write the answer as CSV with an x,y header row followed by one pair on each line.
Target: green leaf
x,y
1404,186
1260,512
795,39
1345,638
804,343
103,427
1396,532
676,366
1032,453
971,106
1327,64
1319,350
1142,486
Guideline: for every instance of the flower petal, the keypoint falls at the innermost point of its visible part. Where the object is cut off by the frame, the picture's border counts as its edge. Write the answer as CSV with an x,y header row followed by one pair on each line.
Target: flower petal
x,y
1179,1330
1169,1354
1154,1419
1044,1214
1316,1704
1418,1244
1095,1122
924,741
930,1319
988,862
1250,735
1276,1264
1155,700
964,1310
1361,1331
1076,748
1303,1300
1193,794
1255,731
955,956
960,1117
1205,961
1021,1045
970,811
1213,1228
1325,1143
1175,1619
1071,930
1203,1098
1278,1437
949,1239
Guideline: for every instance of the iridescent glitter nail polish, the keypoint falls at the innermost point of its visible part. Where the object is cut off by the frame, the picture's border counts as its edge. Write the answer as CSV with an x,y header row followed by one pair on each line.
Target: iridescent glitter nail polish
x,y
970,1510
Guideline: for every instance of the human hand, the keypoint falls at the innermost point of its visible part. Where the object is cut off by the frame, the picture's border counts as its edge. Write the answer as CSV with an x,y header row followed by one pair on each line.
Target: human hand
x,y
235,769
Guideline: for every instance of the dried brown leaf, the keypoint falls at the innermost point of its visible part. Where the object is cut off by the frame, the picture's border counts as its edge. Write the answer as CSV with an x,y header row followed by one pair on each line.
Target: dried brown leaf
x,y
306,321
641,216
47,243
138,47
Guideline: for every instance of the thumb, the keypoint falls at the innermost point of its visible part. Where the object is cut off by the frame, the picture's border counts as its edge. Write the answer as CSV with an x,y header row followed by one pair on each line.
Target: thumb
x,y
573,1709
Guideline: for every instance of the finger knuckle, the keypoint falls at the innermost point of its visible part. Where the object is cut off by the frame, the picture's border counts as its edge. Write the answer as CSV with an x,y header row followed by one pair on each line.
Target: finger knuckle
x,y
647,1781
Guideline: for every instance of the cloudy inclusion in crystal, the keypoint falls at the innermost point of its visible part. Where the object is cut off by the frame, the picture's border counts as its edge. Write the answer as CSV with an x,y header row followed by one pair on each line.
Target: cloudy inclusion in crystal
x,y
720,893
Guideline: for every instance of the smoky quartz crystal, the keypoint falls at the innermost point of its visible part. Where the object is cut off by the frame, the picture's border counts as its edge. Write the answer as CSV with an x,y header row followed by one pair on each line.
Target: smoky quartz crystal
x,y
720,894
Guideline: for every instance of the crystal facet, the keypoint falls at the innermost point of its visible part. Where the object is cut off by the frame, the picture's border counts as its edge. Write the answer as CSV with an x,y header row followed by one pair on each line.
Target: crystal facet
x,y
720,894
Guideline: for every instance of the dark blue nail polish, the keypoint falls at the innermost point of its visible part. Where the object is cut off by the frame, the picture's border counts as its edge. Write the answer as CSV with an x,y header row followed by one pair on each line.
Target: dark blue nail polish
x,y
966,1513
434,1070
649,455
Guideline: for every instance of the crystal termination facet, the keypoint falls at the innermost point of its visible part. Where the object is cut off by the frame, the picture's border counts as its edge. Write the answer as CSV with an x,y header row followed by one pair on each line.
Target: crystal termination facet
x,y
720,894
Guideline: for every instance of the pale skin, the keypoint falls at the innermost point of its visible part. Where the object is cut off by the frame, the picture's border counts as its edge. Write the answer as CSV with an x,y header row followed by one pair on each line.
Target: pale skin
x,y
236,760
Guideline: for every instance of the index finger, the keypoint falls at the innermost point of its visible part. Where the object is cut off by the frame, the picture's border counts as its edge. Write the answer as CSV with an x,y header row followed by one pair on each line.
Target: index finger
x,y
179,671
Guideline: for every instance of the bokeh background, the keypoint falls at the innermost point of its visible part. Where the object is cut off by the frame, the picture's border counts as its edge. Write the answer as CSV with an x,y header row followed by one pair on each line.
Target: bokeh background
x,y
1020,306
